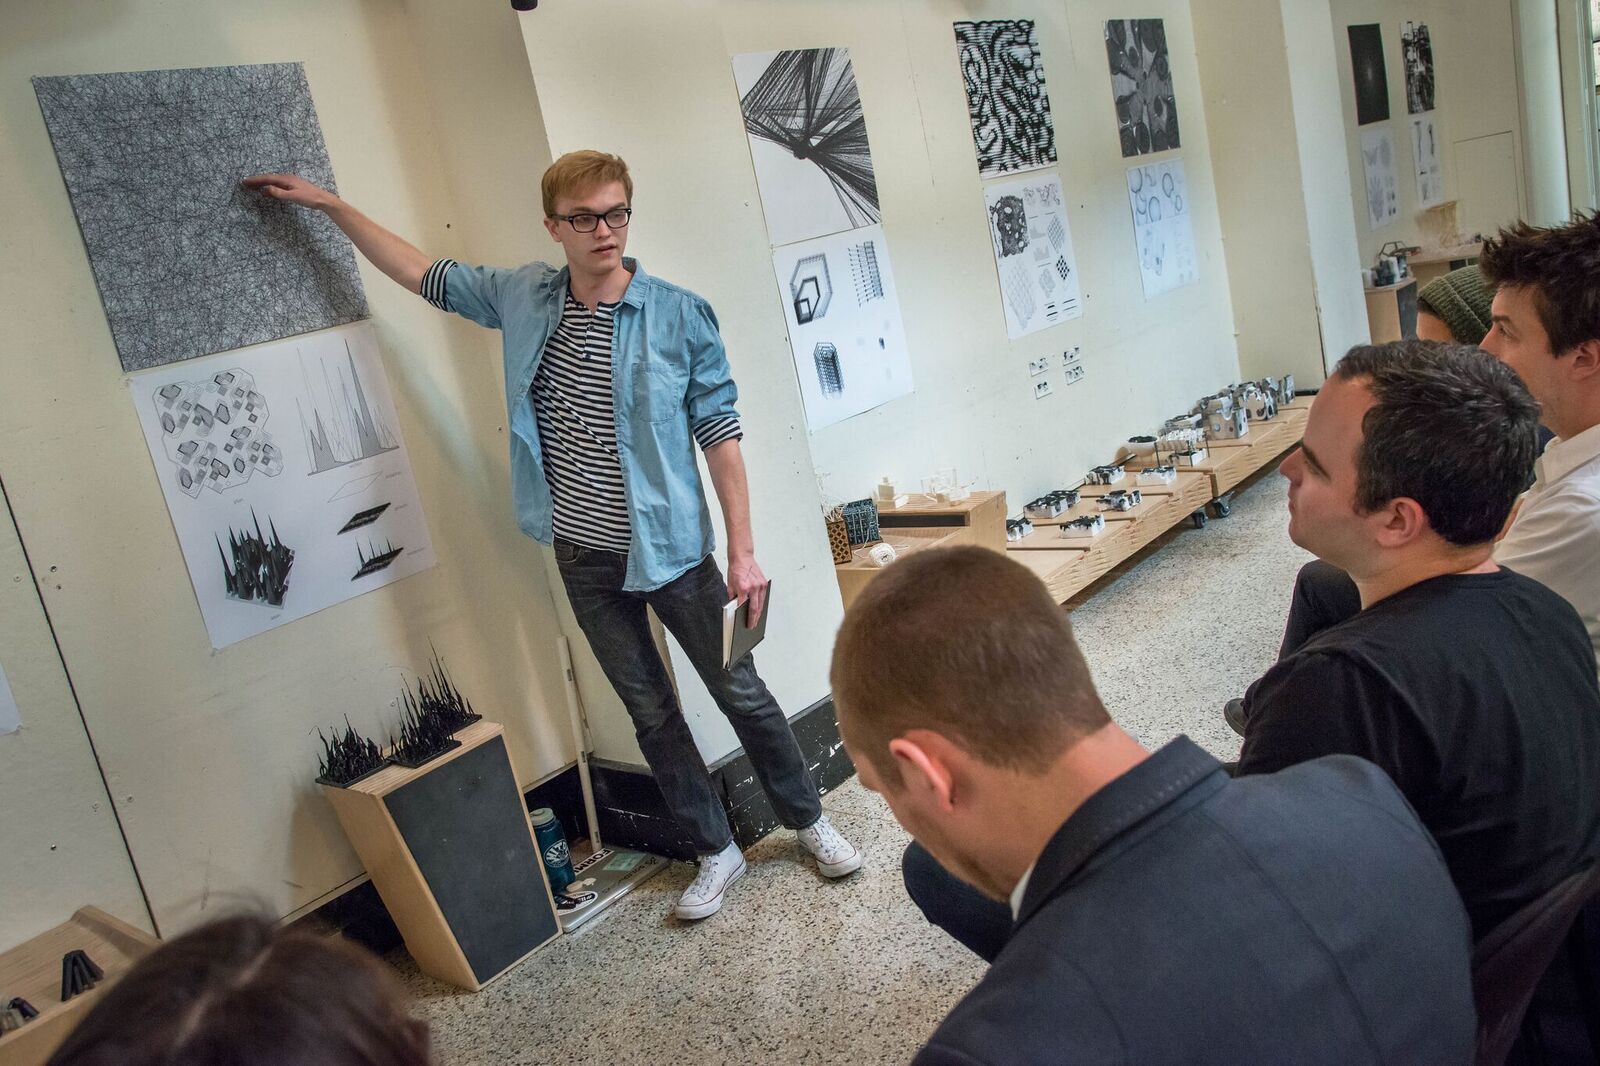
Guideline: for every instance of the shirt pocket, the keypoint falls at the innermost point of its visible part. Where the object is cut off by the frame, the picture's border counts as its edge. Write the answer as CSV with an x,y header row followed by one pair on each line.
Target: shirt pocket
x,y
658,391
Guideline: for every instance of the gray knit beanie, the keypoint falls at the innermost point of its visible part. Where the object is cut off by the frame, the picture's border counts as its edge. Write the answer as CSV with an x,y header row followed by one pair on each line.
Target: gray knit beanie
x,y
1461,299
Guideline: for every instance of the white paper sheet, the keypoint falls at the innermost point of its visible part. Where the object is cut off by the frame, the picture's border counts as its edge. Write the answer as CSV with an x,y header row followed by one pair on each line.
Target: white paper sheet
x,y
844,322
10,719
808,142
1033,253
297,439
1425,159
1158,193
1383,187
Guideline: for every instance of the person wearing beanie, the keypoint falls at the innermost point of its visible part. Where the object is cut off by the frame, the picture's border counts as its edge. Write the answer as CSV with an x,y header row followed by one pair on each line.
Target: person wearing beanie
x,y
1455,307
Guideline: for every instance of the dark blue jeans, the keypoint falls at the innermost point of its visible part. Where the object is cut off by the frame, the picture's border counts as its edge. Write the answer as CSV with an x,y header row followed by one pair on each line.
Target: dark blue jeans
x,y
974,919
690,606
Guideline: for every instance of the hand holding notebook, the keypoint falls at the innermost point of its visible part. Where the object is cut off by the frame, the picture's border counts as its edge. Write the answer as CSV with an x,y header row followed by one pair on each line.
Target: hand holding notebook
x,y
738,636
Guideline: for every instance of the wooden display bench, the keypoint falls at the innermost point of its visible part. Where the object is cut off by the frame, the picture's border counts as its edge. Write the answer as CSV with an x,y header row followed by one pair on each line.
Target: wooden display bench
x,y
1231,461
32,970
858,573
453,856
979,519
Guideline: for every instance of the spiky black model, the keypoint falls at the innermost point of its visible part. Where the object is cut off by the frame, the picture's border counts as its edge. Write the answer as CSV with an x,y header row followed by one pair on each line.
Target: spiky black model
x,y
423,735
437,696
259,570
348,757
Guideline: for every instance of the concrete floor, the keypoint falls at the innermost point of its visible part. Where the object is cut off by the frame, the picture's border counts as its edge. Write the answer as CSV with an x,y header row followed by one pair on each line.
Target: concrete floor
x,y
798,970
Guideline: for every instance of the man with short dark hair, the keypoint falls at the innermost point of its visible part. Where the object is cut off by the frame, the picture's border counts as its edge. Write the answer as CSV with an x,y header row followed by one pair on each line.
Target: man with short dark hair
x,y
1472,685
1164,912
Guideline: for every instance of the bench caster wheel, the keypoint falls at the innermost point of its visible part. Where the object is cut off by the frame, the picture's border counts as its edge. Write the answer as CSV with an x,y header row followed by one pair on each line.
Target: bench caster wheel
x,y
1199,518
1221,507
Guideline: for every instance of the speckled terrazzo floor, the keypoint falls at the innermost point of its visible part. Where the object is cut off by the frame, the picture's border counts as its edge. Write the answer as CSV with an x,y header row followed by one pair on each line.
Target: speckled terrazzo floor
x,y
798,970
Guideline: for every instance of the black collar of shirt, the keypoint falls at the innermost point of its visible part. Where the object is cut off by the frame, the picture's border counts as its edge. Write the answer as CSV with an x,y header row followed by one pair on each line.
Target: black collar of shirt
x,y
1178,774
561,282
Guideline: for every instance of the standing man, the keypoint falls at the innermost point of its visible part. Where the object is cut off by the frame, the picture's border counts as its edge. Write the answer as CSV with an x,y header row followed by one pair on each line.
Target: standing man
x,y
611,377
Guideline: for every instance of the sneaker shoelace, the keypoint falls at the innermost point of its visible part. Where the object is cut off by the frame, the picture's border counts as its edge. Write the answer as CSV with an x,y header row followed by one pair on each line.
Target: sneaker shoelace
x,y
829,839
707,875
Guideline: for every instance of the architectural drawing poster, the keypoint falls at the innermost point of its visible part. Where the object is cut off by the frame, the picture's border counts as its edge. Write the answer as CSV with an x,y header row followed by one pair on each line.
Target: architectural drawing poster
x,y
1007,103
844,324
1159,196
808,141
1033,253
1425,159
1141,84
1377,163
285,476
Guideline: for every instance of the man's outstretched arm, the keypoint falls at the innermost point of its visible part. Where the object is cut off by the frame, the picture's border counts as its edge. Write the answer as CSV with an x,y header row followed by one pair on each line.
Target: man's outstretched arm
x,y
387,251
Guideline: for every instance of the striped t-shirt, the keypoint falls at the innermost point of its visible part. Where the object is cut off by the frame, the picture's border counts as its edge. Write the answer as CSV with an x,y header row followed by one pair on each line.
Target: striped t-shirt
x,y
576,417
572,401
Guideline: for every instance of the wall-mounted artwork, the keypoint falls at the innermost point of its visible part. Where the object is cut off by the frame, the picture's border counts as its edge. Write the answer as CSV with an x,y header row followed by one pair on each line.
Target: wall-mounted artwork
x,y
1033,253
1141,84
1158,194
1366,66
844,322
1416,51
186,261
1383,187
1425,158
808,141
10,720
270,538
1006,99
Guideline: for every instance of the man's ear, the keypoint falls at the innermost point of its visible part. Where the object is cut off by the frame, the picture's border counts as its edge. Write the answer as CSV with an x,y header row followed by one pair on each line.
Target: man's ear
x,y
923,759
1585,360
1400,522
550,225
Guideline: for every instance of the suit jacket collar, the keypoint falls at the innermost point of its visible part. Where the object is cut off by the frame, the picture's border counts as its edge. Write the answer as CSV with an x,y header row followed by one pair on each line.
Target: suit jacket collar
x,y
1173,777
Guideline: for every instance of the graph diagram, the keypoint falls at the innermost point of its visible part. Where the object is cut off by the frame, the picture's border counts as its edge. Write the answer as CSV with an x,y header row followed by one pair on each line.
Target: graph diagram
x,y
340,427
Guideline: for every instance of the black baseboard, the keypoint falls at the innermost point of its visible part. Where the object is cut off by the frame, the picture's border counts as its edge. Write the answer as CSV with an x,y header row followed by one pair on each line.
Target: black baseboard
x,y
632,814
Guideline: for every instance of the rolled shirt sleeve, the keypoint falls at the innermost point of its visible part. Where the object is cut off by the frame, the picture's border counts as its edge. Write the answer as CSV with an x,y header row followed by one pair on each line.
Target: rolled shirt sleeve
x,y
468,291
712,393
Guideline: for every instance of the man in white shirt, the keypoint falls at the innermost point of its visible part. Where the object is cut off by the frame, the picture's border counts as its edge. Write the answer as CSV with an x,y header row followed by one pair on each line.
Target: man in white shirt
x,y
1546,327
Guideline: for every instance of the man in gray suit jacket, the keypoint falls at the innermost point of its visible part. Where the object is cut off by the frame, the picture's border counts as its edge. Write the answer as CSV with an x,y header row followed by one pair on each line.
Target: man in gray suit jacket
x,y
1164,912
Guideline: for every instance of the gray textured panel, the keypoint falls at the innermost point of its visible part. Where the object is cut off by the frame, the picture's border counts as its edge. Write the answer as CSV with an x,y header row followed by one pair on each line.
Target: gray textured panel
x,y
187,261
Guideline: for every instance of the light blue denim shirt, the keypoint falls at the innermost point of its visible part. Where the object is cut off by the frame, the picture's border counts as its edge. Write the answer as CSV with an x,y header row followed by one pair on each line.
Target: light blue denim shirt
x,y
670,386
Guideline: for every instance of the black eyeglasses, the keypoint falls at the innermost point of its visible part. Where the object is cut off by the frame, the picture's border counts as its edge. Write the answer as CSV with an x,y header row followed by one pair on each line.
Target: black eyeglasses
x,y
616,218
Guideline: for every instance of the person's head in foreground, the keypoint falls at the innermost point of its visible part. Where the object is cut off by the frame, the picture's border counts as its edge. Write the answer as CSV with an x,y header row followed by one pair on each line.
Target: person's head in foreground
x,y
1546,316
1455,307
588,199
1414,454
244,991
965,702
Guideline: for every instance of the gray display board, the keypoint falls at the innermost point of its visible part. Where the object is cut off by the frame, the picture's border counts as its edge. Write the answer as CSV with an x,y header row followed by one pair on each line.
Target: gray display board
x,y
187,261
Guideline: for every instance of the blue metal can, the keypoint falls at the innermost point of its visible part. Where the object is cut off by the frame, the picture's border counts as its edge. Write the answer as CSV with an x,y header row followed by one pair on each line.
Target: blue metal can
x,y
553,848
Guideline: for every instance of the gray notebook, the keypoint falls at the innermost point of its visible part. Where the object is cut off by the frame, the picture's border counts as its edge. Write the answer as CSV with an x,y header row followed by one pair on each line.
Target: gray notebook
x,y
737,637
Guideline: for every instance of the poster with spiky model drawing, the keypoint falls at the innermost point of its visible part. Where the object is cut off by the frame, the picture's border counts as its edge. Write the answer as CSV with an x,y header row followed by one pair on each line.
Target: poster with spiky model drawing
x,y
285,476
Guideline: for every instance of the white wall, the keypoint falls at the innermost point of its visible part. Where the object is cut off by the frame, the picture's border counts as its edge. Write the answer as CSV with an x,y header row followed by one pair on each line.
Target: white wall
x,y
666,101
58,835
210,755
1543,122
1478,122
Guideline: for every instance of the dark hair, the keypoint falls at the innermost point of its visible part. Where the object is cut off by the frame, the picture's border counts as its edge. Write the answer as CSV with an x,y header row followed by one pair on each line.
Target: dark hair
x,y
1453,428
969,644
243,991
1561,265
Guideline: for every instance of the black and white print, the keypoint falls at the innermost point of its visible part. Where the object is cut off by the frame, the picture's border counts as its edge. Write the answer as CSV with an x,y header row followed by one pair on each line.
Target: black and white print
x,y
186,260
1377,164
1425,158
1006,99
265,512
1141,84
1371,77
1033,253
1158,193
845,334
1416,50
808,141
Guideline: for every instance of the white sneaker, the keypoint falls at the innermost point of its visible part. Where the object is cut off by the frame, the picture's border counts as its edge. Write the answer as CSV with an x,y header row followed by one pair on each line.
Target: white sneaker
x,y
835,855
703,897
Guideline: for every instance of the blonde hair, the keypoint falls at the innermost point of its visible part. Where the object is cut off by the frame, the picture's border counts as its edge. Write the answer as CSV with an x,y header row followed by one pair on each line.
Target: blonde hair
x,y
577,172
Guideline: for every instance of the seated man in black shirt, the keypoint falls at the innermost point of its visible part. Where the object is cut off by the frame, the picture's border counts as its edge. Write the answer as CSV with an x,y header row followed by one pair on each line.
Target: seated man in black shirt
x,y
1472,686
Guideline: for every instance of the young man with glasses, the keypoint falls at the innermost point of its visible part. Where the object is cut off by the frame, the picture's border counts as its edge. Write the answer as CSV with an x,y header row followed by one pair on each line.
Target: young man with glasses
x,y
612,375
